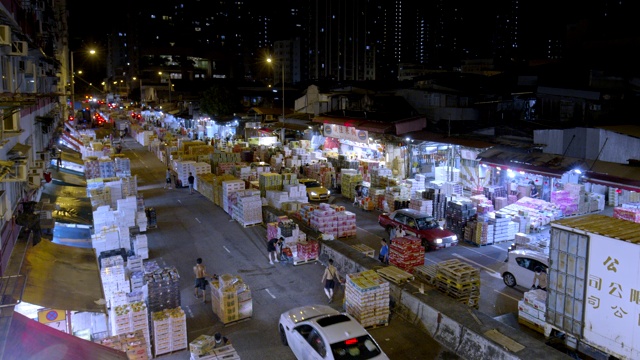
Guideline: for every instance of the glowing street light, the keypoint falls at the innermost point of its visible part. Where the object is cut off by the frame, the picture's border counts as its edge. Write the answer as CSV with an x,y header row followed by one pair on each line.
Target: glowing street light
x,y
270,61
91,52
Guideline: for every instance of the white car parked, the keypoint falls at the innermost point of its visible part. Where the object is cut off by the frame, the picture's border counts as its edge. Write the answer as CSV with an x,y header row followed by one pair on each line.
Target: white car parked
x,y
320,332
519,268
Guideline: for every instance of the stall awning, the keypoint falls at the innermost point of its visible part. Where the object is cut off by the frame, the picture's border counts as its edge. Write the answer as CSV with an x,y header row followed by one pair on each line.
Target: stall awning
x,y
536,163
444,139
417,124
29,339
376,127
616,175
338,121
63,277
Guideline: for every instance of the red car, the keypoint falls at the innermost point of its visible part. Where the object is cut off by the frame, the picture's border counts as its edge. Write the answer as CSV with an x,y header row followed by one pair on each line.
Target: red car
x,y
419,225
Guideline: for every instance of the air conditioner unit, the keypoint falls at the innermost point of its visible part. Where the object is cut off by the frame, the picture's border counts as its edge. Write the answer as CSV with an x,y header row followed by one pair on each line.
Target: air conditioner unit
x,y
18,48
268,117
5,35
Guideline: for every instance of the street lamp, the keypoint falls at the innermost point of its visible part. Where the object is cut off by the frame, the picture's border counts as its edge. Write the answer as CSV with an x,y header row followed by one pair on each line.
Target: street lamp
x,y
73,111
283,121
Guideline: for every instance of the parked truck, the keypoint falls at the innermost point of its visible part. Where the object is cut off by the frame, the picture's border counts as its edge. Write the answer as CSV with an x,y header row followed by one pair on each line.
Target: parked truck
x,y
593,295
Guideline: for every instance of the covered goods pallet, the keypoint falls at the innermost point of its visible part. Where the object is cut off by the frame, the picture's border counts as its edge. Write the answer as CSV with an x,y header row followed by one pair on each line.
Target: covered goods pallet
x,y
367,298
231,299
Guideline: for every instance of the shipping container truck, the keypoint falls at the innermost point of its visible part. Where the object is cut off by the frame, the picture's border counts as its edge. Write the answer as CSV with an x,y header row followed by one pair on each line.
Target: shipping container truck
x,y
593,295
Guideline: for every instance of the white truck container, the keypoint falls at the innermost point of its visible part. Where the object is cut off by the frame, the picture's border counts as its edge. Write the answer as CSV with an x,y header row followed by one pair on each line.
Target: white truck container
x,y
593,299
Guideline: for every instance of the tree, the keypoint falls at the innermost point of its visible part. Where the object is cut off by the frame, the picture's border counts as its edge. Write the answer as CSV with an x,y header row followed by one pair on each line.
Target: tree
x,y
219,100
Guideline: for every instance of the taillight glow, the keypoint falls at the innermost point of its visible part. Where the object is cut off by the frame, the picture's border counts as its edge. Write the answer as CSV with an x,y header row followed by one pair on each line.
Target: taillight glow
x,y
351,341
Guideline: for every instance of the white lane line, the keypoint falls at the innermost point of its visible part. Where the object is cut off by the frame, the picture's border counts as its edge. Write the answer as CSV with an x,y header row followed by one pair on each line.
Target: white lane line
x,y
498,247
198,220
180,201
433,261
478,252
269,292
189,311
488,270
510,297
224,247
231,220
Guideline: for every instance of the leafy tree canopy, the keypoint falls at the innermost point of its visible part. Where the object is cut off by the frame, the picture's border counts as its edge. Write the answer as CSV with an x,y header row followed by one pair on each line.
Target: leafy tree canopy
x,y
219,100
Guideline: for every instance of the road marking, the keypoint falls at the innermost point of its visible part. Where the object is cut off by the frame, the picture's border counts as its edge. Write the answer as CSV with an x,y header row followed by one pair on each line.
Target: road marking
x,y
189,311
224,247
179,201
198,220
498,247
478,252
488,270
269,292
501,293
231,220
433,261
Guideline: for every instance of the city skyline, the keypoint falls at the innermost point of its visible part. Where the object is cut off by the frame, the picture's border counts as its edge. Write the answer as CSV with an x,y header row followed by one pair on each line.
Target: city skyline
x,y
322,44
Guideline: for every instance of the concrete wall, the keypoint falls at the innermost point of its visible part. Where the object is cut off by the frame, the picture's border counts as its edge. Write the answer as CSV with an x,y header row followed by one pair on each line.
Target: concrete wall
x,y
448,322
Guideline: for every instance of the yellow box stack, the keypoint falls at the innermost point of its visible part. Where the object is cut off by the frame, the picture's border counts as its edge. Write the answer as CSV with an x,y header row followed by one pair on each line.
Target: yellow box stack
x,y
217,187
205,185
367,298
231,299
349,179
269,181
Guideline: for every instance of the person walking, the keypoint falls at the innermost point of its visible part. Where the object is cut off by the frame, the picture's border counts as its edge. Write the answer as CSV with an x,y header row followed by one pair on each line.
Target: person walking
x,y
200,271
272,245
167,179
384,252
191,181
328,279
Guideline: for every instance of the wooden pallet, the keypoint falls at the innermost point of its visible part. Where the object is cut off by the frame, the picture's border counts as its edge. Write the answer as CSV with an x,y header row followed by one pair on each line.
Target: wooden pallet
x,y
426,273
152,226
237,321
395,275
248,225
364,249
302,262
376,326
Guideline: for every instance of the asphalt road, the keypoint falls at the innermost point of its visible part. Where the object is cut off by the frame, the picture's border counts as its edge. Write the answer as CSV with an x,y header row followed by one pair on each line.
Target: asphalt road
x,y
190,226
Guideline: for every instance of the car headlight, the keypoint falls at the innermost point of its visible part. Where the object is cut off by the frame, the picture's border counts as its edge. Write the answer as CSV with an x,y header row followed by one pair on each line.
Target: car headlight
x,y
313,193
328,192
438,241
454,238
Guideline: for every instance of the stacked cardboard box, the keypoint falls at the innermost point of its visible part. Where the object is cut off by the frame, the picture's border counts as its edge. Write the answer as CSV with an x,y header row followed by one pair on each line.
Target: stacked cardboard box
x,y
247,209
269,181
324,219
114,281
307,250
531,310
346,224
134,344
202,348
406,253
162,286
231,299
367,298
169,330
130,317
229,187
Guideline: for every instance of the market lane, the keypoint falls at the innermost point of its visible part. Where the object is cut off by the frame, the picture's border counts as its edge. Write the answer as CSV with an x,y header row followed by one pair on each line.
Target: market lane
x,y
190,226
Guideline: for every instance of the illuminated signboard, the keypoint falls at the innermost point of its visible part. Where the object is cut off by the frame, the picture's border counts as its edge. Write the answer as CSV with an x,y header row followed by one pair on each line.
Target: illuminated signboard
x,y
346,132
612,303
